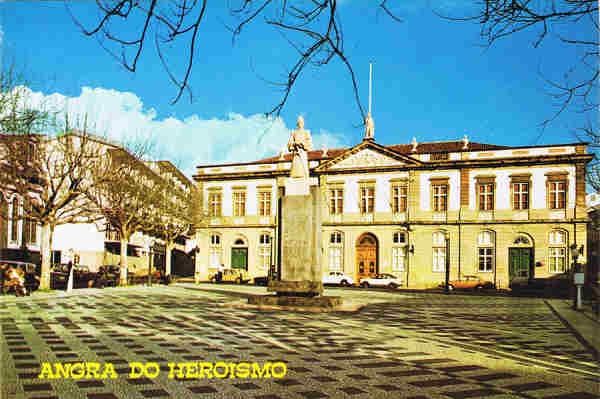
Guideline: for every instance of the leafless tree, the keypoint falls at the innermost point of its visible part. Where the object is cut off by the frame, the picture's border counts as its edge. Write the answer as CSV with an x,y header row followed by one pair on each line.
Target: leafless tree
x,y
45,176
313,28
17,115
551,20
173,218
125,192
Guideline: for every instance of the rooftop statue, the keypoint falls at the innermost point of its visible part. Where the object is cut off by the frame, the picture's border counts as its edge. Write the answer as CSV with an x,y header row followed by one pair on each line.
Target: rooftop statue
x,y
300,142
369,127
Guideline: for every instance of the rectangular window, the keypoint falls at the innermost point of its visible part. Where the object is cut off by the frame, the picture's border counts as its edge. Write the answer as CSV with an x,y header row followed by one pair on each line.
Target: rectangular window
x,y
264,255
214,204
557,194
398,257
264,203
440,197
557,260
520,196
399,201
336,201
112,234
485,259
439,259
14,227
486,197
30,231
335,258
367,199
239,203
214,257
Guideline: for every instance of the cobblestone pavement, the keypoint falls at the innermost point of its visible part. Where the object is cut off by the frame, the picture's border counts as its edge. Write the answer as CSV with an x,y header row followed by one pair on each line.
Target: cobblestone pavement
x,y
402,346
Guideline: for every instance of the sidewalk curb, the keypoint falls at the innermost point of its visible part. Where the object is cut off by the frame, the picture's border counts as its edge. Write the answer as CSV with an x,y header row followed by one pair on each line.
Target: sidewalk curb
x,y
576,333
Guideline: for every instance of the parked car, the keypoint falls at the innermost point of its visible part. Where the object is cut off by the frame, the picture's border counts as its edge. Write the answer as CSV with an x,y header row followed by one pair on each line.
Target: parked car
x,y
262,280
337,278
82,276
381,280
112,274
468,283
238,276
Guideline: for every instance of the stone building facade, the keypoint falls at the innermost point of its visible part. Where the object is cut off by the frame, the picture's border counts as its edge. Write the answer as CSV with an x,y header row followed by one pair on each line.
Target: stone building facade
x,y
497,212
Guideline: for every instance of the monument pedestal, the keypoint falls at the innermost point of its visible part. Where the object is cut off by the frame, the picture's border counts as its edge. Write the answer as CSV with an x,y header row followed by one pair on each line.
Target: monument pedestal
x,y
301,281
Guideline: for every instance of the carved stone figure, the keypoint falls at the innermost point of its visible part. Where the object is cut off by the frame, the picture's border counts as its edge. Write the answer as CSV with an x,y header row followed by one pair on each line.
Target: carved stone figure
x,y
369,127
300,142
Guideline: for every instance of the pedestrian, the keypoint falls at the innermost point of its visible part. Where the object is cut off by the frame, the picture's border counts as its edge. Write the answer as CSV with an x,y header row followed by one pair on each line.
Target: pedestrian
x,y
220,272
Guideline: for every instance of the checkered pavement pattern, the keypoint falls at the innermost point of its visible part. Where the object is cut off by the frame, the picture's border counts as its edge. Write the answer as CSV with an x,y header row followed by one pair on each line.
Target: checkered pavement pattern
x,y
369,354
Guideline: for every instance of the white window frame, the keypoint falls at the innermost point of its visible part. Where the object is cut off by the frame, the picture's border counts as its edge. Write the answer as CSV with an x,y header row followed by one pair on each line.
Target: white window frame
x,y
367,193
557,249
336,251
439,251
399,197
336,201
239,203
264,251
399,250
264,203
215,204
215,250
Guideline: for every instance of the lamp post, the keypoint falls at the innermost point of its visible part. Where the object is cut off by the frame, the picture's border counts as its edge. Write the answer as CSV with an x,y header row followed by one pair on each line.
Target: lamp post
x,y
447,268
578,276
150,248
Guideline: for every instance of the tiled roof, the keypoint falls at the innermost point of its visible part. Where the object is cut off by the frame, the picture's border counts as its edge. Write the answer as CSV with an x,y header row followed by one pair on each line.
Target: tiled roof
x,y
422,148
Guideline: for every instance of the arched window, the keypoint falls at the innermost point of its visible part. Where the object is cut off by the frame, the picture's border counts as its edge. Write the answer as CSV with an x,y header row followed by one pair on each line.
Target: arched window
x,y
522,240
399,245
336,250
264,250
557,251
215,250
439,251
485,250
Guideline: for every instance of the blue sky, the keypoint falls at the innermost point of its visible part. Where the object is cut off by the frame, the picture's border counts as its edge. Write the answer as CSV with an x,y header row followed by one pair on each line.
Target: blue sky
x,y
432,80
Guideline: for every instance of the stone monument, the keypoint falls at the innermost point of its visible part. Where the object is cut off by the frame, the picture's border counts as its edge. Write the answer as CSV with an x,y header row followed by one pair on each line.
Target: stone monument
x,y
300,283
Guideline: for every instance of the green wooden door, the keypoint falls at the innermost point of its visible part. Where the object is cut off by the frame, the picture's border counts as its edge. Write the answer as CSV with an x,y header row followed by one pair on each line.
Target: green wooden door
x,y
239,258
519,260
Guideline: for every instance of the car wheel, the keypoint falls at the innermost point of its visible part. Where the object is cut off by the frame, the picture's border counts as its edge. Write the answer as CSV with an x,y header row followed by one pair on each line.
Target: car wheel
x,y
450,287
344,283
238,281
479,288
364,284
393,285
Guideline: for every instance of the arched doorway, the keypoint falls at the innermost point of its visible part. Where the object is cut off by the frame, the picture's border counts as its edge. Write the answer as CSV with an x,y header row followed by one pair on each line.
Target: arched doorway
x,y
520,258
366,256
239,254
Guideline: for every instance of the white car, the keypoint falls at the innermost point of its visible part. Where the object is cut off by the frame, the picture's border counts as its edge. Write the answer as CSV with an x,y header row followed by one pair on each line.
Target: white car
x,y
337,278
381,280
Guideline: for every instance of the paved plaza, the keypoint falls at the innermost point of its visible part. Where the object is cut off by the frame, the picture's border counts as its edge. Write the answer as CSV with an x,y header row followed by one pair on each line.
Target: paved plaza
x,y
400,345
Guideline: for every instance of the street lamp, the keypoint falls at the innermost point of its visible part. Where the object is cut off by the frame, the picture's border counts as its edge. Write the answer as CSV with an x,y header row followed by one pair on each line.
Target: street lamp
x,y
150,248
578,276
447,285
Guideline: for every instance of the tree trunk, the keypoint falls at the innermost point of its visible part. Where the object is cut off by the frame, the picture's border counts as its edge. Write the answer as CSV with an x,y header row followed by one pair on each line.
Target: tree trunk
x,y
45,251
124,267
169,248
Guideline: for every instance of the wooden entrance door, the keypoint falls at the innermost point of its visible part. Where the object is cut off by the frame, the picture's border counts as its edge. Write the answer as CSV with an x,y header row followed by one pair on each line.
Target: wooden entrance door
x,y
520,261
366,256
239,258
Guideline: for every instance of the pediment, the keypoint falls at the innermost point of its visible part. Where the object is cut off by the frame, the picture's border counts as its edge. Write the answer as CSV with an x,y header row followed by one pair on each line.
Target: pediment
x,y
369,155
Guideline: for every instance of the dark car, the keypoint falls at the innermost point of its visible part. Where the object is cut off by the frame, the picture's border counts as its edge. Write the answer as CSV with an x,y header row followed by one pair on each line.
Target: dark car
x,y
112,274
82,276
262,280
